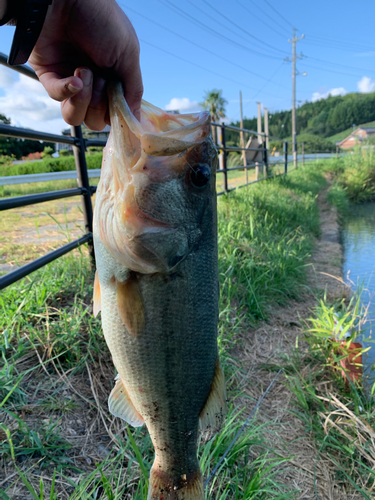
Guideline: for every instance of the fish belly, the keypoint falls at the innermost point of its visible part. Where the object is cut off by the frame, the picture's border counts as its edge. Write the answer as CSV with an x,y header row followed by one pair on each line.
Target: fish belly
x,y
167,366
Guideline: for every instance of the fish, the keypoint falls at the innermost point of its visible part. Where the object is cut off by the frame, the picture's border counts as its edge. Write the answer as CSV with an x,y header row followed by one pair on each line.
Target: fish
x,y
157,286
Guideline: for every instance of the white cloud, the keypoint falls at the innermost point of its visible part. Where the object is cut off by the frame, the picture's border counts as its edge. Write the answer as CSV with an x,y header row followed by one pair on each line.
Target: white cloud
x,y
26,102
27,84
183,104
323,95
7,77
366,85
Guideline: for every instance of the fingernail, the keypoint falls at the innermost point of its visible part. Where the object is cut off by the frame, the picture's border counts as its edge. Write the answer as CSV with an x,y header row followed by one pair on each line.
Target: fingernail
x,y
73,89
85,75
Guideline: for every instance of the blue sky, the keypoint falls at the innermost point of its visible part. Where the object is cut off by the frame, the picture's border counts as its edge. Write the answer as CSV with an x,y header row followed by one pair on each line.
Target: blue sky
x,y
190,46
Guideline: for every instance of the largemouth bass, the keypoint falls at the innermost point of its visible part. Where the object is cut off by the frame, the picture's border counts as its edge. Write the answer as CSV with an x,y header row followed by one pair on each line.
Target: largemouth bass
x,y
155,237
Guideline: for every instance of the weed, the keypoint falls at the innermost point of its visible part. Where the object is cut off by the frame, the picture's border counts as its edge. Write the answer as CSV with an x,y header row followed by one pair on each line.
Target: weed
x,y
44,443
266,235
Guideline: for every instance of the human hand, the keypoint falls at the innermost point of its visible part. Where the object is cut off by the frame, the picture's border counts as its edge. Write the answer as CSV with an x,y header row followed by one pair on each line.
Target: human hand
x,y
83,44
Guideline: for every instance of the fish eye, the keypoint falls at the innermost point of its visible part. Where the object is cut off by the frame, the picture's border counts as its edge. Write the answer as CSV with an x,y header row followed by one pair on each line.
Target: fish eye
x,y
200,175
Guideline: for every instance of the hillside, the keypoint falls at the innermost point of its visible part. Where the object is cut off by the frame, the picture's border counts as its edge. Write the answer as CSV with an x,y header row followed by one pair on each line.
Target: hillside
x,y
324,118
341,135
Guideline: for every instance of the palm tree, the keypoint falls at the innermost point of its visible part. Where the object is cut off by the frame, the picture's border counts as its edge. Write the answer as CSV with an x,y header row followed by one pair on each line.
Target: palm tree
x,y
215,103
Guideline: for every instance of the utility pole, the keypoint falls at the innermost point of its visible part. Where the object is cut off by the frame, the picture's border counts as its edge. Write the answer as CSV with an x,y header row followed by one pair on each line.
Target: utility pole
x,y
266,130
259,130
259,122
242,134
294,74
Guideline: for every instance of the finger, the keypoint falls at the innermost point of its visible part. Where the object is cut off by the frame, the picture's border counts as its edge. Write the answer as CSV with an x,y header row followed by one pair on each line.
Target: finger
x,y
132,82
95,116
75,108
60,88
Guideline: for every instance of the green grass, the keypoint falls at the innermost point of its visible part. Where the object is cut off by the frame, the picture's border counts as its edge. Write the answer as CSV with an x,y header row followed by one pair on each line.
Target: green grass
x,y
57,369
266,235
338,413
340,423
353,176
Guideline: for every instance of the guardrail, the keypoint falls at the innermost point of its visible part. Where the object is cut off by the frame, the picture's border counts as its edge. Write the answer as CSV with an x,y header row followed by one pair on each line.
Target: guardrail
x,y
257,155
84,189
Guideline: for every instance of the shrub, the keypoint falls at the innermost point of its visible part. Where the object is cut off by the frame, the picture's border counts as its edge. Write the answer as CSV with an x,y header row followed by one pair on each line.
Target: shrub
x,y
49,164
47,151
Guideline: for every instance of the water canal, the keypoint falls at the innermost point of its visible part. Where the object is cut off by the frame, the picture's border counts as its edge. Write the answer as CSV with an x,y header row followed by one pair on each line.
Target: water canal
x,y
358,237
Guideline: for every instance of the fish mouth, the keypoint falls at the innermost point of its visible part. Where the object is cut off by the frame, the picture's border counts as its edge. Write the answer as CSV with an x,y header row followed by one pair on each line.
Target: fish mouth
x,y
152,222
141,156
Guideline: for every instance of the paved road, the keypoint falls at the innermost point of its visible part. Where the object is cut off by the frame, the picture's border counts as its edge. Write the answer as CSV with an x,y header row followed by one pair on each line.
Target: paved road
x,y
72,174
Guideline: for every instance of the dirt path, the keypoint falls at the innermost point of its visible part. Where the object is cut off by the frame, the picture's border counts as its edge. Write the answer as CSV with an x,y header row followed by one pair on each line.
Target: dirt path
x,y
274,343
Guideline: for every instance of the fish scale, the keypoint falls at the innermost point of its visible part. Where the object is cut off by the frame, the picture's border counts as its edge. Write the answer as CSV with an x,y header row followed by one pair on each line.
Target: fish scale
x,y
159,314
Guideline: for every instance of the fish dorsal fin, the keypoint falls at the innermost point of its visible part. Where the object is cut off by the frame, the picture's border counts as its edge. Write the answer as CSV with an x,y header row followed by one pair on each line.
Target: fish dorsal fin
x,y
97,295
130,305
215,409
120,405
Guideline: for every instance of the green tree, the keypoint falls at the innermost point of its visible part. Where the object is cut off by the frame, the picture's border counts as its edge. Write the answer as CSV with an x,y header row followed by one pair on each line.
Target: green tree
x,y
215,103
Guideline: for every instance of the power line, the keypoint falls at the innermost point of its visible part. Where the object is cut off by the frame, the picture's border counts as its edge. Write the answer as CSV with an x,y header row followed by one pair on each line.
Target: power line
x,y
335,71
338,64
268,81
260,19
264,86
340,42
199,66
195,21
267,15
338,46
195,44
278,13
236,25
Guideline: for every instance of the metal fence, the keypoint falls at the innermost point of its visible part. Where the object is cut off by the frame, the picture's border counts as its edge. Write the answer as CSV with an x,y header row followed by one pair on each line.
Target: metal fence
x,y
259,163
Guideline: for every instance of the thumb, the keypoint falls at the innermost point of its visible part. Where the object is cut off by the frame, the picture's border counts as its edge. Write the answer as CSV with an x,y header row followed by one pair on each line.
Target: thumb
x,y
60,88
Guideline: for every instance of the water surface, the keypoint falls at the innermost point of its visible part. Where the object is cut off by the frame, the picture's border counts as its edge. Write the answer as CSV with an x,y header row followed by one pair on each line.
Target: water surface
x,y
358,236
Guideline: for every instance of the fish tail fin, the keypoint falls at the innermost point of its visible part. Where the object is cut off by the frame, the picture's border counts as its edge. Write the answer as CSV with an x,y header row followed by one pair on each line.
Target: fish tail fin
x,y
165,487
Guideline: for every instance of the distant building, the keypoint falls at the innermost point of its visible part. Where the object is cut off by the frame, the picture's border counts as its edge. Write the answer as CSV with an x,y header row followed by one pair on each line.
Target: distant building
x,y
356,137
87,133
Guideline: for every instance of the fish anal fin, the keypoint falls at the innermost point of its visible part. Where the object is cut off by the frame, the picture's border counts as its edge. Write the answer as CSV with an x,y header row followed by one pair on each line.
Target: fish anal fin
x,y
215,409
130,305
120,405
97,295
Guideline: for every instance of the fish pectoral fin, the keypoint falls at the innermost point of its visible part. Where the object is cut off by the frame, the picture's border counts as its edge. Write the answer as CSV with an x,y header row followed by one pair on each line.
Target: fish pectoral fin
x,y
130,305
120,405
215,409
97,295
